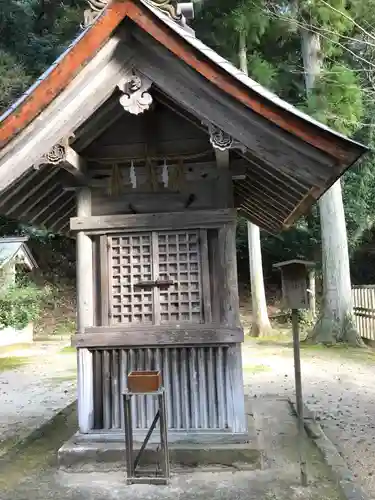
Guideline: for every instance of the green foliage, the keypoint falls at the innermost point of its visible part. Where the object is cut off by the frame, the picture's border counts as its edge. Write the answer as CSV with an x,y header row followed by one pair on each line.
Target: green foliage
x,y
337,99
13,78
261,70
343,98
20,306
329,20
32,35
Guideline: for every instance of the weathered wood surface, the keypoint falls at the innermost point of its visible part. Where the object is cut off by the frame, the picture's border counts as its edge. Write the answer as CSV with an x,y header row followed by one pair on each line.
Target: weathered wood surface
x,y
85,317
230,306
205,272
265,140
364,310
104,280
214,273
157,335
198,195
67,112
161,221
203,383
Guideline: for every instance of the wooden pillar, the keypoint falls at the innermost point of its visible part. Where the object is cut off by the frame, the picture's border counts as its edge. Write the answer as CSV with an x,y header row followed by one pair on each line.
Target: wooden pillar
x,y
230,304
230,316
229,299
85,316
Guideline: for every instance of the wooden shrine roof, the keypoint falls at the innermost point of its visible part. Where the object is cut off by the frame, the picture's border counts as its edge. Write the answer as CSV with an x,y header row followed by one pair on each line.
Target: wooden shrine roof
x,y
291,159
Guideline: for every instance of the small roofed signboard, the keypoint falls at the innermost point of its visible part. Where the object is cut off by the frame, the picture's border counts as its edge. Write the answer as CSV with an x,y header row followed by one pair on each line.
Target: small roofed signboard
x,y
294,280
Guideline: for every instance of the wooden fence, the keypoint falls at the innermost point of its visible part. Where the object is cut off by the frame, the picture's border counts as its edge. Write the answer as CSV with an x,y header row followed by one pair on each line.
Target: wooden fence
x,y
364,310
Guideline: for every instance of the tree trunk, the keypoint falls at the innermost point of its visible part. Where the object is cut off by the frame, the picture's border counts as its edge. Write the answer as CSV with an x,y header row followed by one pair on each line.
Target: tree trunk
x,y
335,323
260,322
312,294
312,57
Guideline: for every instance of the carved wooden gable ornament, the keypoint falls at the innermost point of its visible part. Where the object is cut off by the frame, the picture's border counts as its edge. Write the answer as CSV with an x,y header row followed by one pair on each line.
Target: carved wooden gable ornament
x,y
168,7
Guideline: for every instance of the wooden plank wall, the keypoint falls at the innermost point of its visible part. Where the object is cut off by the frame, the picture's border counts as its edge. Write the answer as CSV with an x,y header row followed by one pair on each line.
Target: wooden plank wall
x,y
364,310
190,187
200,384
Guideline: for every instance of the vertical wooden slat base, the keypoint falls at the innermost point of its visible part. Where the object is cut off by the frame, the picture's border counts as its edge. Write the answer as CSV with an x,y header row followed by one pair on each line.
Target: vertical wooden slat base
x,y
217,407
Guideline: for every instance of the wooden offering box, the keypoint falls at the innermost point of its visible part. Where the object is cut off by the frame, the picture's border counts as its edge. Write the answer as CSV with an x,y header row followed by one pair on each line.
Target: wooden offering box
x,y
144,381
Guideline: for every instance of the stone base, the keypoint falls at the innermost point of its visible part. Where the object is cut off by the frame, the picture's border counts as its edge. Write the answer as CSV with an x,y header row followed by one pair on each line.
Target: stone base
x,y
187,455
81,450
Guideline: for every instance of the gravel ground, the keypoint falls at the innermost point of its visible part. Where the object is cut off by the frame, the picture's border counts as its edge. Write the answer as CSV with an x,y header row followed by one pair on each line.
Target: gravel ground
x,y
34,392
32,474
338,386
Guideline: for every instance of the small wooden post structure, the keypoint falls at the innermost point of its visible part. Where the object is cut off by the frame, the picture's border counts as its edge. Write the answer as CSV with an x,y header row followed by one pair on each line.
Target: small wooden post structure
x,y
294,278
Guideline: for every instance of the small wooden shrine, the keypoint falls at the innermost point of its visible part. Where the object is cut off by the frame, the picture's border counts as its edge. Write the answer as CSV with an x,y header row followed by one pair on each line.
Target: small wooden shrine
x,y
145,144
16,261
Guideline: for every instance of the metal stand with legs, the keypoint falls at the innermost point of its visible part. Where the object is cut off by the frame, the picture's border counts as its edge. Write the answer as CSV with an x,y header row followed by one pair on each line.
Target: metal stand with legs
x,y
161,416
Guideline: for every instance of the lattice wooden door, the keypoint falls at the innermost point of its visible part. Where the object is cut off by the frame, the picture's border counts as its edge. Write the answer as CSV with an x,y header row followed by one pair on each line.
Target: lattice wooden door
x,y
156,278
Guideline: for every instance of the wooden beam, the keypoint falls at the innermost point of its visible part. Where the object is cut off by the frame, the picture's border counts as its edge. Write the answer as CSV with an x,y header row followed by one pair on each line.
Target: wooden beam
x,y
289,181
164,99
225,186
263,185
64,221
126,152
61,220
281,149
67,112
28,191
266,226
45,203
11,191
103,118
36,203
160,221
261,211
75,164
265,204
253,188
222,158
51,217
139,336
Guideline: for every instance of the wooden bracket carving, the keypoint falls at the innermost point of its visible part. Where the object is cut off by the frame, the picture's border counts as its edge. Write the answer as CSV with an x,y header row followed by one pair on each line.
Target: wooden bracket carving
x,y
96,7
135,98
221,140
62,155
56,155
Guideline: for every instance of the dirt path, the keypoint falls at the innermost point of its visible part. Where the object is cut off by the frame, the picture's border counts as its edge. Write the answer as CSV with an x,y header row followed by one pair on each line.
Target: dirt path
x,y
338,385
35,383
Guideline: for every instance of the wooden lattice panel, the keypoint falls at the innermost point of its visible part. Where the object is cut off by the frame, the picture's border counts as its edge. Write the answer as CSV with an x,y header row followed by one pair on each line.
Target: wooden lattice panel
x,y
179,260
130,263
